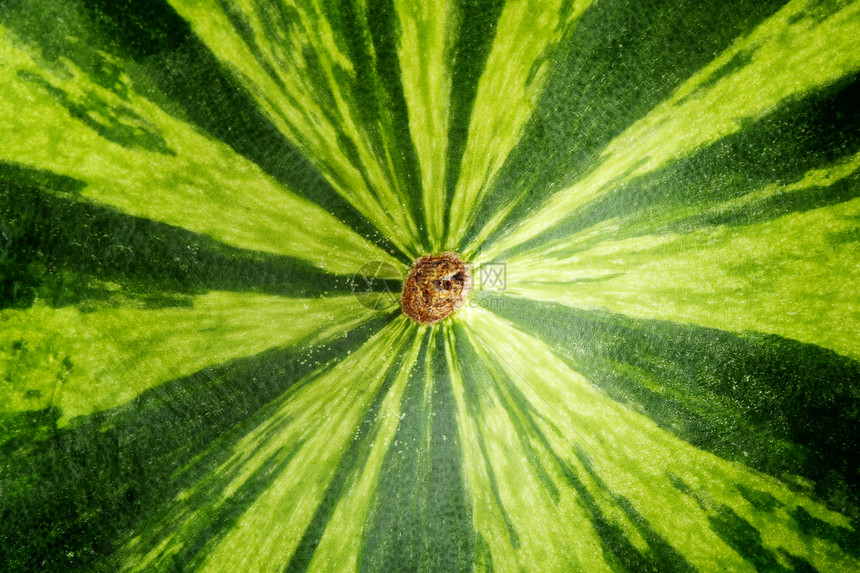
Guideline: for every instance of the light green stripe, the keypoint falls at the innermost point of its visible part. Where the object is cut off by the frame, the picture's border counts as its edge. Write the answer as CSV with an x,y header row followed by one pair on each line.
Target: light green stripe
x,y
795,276
634,458
549,260
791,53
325,417
558,536
83,362
199,184
749,203
319,417
350,518
512,80
424,54
296,102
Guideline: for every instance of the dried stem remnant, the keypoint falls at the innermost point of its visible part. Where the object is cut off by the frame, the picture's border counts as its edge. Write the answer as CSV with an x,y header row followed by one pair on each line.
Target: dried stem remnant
x,y
435,288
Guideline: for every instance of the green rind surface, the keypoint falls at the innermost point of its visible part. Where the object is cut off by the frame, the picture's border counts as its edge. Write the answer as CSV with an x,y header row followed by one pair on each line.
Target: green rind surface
x,y
668,379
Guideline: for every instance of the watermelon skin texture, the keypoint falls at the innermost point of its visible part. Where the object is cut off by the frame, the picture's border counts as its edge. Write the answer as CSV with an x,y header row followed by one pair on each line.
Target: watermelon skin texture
x,y
665,380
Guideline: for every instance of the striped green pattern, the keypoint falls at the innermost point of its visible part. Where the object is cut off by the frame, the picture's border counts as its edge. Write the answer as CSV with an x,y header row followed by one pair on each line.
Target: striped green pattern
x,y
667,379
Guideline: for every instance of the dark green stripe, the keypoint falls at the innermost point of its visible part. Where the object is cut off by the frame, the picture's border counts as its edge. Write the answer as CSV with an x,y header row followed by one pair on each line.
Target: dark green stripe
x,y
624,58
63,251
477,21
623,553
775,404
362,90
118,124
618,551
376,92
661,555
746,540
244,29
359,95
847,539
476,381
483,555
685,488
421,518
743,537
70,497
221,520
815,131
385,31
350,465
177,72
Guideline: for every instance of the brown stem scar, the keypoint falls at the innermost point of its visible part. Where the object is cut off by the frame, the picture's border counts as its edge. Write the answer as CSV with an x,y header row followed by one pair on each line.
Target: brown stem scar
x,y
437,286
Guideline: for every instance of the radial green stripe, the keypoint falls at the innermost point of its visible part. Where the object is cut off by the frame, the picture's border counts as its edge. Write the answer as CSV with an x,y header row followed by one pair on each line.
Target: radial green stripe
x,y
423,50
789,54
62,251
292,60
510,84
130,154
420,519
532,427
176,70
383,25
346,508
794,276
305,438
745,397
82,362
514,513
169,440
625,463
367,34
794,159
623,59
660,206
477,22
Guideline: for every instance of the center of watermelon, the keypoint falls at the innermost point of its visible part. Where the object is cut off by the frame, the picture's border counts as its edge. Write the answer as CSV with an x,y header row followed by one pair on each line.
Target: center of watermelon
x,y
436,287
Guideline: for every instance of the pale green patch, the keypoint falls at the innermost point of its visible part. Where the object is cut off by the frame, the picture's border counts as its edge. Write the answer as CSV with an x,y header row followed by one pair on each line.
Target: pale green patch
x,y
305,439
790,54
795,276
657,221
194,182
559,535
508,90
627,452
424,55
749,203
350,517
305,99
84,362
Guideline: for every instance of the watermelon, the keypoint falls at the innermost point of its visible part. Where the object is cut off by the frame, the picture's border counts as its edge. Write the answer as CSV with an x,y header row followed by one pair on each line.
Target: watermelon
x,y
208,209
